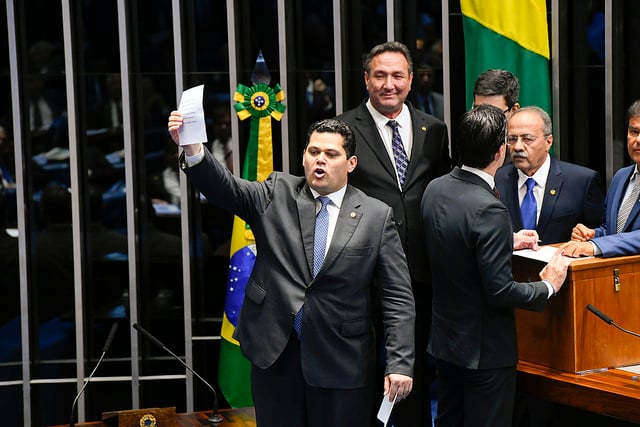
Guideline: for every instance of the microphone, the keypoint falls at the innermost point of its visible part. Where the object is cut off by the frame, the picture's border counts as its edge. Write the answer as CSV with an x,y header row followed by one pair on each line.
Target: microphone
x,y
609,320
215,417
107,344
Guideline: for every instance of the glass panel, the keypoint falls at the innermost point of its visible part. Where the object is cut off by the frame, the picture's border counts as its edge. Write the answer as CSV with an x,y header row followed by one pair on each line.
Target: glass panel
x,y
155,169
46,135
52,403
426,93
313,87
210,53
105,293
582,81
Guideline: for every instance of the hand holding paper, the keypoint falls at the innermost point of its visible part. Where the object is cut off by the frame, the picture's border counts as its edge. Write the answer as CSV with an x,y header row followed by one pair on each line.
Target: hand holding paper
x,y
193,129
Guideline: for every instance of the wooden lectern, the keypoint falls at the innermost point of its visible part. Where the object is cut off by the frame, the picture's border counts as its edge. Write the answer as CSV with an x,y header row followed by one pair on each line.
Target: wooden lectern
x,y
150,417
566,335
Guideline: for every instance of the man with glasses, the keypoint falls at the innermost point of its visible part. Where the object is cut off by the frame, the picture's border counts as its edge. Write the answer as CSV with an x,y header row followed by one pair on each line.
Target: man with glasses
x,y
499,88
541,192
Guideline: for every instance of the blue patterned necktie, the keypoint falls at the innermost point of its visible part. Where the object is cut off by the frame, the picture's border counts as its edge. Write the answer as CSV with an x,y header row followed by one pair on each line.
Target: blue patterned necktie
x,y
529,207
319,245
402,161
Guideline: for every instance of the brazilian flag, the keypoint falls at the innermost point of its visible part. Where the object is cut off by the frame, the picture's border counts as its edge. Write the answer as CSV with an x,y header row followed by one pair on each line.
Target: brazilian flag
x,y
260,103
509,35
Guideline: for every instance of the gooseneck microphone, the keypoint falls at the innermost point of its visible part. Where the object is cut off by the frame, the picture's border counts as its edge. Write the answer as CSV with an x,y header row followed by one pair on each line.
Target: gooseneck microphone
x,y
107,344
215,417
609,320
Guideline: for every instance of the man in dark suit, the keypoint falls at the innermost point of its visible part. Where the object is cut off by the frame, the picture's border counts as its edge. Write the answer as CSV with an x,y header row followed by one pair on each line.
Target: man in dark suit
x,y
620,233
388,73
564,194
469,242
307,330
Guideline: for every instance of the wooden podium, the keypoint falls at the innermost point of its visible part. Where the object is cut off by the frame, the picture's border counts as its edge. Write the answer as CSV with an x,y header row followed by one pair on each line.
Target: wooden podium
x,y
566,335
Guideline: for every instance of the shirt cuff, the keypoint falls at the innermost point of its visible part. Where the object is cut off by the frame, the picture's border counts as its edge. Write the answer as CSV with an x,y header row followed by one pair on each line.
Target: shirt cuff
x,y
552,292
195,159
596,249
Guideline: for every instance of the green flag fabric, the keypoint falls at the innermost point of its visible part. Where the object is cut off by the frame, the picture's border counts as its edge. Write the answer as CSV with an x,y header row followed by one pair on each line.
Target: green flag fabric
x,y
508,35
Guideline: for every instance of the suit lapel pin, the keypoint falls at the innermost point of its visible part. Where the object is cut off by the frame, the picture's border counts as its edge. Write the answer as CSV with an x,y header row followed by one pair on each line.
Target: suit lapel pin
x,y
552,191
423,128
352,214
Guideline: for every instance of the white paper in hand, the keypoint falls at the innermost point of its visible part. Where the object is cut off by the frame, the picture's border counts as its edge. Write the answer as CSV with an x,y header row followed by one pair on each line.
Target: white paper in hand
x,y
193,129
385,409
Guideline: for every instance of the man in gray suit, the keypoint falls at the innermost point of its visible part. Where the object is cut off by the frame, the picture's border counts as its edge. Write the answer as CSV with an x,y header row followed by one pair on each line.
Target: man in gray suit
x,y
469,242
307,330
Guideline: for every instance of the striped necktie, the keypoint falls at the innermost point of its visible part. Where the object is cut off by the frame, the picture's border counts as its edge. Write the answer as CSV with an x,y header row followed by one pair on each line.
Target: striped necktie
x,y
627,204
319,248
402,161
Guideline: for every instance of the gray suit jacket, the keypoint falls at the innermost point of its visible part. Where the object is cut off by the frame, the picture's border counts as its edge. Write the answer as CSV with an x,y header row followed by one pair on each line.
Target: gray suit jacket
x,y
337,346
470,242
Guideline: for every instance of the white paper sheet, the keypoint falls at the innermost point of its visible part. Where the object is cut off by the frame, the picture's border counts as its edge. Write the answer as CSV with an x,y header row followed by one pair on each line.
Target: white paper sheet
x,y
385,409
193,130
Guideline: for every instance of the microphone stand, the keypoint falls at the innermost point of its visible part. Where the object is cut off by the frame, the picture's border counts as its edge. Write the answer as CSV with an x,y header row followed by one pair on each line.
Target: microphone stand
x,y
609,320
107,344
215,417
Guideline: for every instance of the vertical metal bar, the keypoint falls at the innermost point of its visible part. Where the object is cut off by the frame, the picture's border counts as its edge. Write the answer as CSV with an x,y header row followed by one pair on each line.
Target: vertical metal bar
x,y
610,152
391,17
184,215
446,68
233,81
337,55
123,43
16,102
555,75
282,54
76,228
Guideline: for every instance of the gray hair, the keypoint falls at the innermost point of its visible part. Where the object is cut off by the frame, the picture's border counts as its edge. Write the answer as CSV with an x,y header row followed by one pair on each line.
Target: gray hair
x,y
546,120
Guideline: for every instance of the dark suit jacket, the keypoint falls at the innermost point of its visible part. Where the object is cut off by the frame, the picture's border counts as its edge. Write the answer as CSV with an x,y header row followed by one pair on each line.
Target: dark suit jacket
x,y
573,194
470,242
337,346
627,242
376,176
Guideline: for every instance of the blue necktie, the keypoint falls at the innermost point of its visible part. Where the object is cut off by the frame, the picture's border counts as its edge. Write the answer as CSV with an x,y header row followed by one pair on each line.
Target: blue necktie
x,y
319,245
402,161
529,207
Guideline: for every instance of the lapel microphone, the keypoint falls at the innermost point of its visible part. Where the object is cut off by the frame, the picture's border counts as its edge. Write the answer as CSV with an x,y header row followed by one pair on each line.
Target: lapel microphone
x,y
215,417
609,321
107,344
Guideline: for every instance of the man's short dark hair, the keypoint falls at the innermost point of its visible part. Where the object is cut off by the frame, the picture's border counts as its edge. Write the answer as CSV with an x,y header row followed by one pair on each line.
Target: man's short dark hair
x,y
391,46
500,83
481,131
632,111
335,126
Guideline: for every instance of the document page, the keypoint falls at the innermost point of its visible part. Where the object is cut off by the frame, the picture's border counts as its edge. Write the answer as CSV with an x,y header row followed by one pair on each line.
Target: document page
x,y
193,130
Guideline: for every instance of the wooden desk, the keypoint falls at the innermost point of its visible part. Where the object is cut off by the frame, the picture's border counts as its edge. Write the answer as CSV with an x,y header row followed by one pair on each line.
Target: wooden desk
x,y
239,417
611,392
566,335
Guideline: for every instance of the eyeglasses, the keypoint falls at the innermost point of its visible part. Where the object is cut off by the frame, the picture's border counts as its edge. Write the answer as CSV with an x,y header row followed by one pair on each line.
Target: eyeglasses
x,y
503,112
526,139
